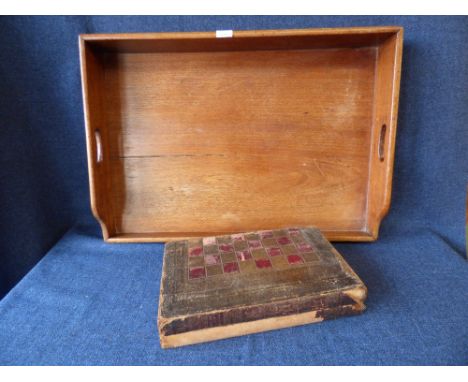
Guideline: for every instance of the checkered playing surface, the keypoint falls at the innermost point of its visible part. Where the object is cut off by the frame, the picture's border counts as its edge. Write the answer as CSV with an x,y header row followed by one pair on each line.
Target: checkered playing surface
x,y
250,252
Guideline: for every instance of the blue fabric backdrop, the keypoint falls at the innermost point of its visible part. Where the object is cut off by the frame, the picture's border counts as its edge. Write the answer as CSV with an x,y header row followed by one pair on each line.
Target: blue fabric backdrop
x,y
88,302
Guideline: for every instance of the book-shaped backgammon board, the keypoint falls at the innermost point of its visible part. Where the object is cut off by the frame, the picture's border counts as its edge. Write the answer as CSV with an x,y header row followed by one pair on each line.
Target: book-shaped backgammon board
x,y
226,286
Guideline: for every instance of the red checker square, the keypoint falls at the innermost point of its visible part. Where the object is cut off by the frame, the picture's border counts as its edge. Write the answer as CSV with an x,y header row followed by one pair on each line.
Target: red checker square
x,y
283,240
231,267
212,259
197,272
263,263
226,248
243,255
295,259
255,244
274,251
196,251
305,247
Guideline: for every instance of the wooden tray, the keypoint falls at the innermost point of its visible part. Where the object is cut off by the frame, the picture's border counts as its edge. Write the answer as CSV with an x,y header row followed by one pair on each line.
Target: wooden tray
x,y
190,134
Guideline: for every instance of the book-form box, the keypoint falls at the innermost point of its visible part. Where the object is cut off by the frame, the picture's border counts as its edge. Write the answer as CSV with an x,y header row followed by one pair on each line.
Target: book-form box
x,y
232,285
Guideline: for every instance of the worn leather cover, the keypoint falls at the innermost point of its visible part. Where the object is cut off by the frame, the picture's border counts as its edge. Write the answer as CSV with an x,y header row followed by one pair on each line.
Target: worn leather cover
x,y
219,287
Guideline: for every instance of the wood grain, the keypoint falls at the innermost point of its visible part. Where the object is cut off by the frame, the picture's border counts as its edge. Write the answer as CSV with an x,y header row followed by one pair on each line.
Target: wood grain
x,y
267,129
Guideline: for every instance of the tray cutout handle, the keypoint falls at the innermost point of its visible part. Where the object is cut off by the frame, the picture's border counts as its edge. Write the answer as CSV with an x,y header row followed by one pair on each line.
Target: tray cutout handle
x,y
383,131
97,136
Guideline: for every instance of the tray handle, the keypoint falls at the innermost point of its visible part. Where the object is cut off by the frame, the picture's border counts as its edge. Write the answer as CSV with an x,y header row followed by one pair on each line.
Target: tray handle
x,y
97,137
381,150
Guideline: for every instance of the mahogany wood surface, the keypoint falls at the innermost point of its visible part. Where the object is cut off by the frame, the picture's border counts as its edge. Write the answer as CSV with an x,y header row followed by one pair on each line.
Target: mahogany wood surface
x,y
201,135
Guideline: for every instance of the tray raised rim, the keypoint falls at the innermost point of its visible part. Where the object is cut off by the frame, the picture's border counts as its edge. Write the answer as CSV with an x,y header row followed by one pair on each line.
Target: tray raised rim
x,y
368,233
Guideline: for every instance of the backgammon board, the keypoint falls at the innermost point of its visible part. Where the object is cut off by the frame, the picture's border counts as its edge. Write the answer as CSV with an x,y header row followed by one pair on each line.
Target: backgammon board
x,y
225,286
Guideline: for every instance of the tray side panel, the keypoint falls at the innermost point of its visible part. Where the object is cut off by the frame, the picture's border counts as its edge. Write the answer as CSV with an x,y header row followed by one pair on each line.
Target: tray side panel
x,y
97,135
387,88
281,39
